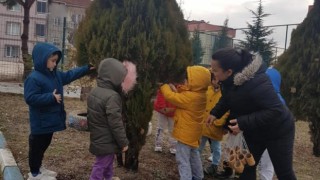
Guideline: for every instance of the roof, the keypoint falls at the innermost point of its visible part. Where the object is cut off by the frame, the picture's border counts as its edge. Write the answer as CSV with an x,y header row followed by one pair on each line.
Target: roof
x,y
75,3
203,26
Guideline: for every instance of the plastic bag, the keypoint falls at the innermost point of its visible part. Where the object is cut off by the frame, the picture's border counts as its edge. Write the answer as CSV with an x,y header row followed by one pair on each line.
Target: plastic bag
x,y
237,153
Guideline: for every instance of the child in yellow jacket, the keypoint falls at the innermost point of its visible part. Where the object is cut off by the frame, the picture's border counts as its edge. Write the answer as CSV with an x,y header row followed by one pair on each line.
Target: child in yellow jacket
x,y
190,102
215,131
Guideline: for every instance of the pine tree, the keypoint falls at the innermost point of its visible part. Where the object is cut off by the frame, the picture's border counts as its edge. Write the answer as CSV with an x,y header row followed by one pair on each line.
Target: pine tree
x,y
197,51
300,69
152,34
256,35
222,40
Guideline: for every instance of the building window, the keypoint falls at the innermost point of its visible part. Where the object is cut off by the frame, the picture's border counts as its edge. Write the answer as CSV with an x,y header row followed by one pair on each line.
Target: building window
x,y
57,21
40,29
41,7
16,7
12,51
13,28
56,41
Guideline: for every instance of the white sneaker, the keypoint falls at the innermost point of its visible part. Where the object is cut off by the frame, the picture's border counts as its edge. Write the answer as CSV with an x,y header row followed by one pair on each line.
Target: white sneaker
x,y
158,149
210,158
48,172
40,177
173,150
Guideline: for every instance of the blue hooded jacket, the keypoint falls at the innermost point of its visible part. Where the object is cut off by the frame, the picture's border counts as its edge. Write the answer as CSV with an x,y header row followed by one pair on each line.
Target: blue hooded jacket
x,y
45,113
275,78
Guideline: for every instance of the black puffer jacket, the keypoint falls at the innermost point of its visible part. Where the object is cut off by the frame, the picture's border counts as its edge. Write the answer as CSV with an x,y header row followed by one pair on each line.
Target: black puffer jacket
x,y
252,100
107,133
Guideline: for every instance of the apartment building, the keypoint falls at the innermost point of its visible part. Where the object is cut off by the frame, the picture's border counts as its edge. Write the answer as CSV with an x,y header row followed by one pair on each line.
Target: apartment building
x,y
11,23
46,25
208,36
70,11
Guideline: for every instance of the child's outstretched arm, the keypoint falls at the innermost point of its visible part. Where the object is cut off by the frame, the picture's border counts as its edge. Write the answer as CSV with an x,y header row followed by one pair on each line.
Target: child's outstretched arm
x,y
177,99
74,74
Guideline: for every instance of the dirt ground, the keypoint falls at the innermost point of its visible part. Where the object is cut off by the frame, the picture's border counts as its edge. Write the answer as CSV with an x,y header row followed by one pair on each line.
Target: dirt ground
x,y
69,156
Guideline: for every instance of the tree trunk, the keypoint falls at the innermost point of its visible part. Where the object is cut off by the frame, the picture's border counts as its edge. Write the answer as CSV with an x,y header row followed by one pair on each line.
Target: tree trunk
x,y
27,60
315,134
132,155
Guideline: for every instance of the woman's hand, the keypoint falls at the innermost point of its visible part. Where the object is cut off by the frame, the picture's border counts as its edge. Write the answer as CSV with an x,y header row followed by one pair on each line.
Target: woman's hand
x,y
210,119
234,127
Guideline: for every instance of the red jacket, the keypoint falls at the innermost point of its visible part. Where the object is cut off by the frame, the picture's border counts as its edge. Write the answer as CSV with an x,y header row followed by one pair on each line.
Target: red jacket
x,y
161,103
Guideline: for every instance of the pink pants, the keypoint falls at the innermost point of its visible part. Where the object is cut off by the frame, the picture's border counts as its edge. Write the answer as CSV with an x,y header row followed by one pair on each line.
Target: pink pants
x,y
102,168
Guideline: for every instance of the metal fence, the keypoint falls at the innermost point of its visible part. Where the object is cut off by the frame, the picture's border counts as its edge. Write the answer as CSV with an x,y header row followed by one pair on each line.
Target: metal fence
x,y
281,36
60,33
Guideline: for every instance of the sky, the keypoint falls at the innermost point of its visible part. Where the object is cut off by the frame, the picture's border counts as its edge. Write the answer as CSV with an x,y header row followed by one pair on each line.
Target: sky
x,y
216,11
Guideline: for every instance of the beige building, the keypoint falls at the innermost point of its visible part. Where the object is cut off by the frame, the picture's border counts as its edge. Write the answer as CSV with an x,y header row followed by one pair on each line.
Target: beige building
x,y
208,33
73,11
11,23
46,25
11,28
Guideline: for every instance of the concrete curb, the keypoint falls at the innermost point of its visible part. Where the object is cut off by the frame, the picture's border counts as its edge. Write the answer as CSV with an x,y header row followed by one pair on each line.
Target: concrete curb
x,y
9,168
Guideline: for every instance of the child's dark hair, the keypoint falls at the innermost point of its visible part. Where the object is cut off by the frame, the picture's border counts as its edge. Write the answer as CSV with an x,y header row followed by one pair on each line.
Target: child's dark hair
x,y
212,76
56,53
234,59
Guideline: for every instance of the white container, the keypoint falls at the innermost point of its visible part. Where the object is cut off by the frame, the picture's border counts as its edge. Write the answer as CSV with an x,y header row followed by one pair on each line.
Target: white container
x,y
149,129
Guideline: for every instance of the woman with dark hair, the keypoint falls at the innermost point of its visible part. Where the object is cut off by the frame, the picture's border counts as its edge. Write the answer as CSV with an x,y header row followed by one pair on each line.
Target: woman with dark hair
x,y
255,109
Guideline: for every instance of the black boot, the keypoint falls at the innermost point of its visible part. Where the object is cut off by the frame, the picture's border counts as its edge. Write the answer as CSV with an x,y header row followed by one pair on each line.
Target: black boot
x,y
211,170
226,173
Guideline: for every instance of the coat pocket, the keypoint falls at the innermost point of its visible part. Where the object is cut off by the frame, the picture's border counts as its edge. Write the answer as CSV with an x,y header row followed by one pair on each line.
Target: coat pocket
x,y
51,117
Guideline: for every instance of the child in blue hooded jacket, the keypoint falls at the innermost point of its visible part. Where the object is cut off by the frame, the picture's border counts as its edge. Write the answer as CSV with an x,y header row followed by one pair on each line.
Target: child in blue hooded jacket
x,y
265,166
43,92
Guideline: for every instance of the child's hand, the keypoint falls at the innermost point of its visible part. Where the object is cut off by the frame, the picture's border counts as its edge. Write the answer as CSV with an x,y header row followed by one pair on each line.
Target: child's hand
x,y
91,67
170,110
124,149
210,119
173,88
57,96
160,84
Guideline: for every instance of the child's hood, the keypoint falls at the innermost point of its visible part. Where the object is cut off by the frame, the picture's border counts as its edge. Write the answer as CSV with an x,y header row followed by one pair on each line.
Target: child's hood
x,y
40,54
199,78
275,78
111,72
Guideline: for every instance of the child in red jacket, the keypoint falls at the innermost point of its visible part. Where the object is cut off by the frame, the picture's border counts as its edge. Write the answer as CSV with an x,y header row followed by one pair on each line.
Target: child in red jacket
x,y
164,113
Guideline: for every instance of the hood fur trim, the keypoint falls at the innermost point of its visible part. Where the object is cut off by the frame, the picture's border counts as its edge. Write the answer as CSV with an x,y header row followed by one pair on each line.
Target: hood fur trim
x,y
131,77
248,72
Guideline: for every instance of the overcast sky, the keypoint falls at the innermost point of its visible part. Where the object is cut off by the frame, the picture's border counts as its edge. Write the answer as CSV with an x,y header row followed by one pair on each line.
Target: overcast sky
x,y
216,11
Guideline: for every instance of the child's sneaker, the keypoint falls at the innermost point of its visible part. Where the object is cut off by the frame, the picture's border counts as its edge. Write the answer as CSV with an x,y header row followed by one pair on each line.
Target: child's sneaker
x,y
158,149
172,150
48,172
40,177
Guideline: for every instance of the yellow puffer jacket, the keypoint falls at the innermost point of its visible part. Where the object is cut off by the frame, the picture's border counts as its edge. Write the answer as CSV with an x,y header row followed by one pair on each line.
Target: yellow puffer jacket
x,y
215,130
190,102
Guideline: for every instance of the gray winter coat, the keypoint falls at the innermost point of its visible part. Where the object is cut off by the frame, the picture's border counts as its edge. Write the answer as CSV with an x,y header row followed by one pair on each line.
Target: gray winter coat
x,y
107,132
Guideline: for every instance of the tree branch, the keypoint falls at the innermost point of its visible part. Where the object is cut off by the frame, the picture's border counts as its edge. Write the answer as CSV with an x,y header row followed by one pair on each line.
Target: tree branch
x,y
30,3
19,2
